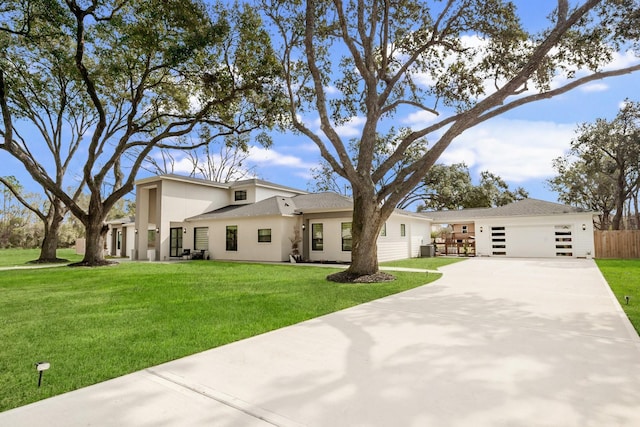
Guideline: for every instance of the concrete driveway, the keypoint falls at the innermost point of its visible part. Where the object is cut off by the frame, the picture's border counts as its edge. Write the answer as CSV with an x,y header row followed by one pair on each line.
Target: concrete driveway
x,y
495,342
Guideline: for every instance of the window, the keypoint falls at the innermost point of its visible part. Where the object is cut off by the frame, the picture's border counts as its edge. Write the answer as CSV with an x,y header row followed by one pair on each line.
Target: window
x,y
232,237
403,230
465,230
346,236
499,241
240,195
201,239
119,239
175,241
316,237
383,231
264,235
564,240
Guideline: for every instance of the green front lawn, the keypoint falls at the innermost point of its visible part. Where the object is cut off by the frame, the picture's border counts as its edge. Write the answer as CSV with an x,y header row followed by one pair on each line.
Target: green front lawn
x,y
623,276
21,257
432,263
99,323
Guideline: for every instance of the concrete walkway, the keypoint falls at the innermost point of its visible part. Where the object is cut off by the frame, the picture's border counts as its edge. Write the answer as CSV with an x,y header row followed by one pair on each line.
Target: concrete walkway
x,y
504,342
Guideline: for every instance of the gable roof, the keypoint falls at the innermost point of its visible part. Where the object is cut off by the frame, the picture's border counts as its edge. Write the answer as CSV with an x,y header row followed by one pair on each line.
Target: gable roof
x,y
525,207
280,205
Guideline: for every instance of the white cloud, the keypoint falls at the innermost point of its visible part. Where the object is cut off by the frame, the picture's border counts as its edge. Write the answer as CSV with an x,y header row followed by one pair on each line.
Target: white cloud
x,y
516,150
419,119
594,87
622,60
272,158
331,90
351,128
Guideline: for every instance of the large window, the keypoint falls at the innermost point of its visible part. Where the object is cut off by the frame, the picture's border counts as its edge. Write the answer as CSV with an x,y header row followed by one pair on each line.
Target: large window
x,y
232,237
316,237
346,236
240,195
201,239
264,235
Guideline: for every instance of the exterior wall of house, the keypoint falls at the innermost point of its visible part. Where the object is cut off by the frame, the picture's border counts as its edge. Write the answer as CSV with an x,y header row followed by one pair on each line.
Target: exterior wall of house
x,y
460,229
248,246
539,237
256,193
332,238
160,202
394,246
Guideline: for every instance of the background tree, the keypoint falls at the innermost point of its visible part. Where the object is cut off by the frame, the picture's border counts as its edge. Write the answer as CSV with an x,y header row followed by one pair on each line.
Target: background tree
x,y
145,76
18,227
451,187
581,184
217,161
602,169
470,60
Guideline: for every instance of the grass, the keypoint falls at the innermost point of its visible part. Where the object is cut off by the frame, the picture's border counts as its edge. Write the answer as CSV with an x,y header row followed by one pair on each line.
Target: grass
x,y
100,323
21,257
425,263
623,277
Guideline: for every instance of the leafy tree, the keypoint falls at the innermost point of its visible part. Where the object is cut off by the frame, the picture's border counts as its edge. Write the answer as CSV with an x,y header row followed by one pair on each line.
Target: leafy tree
x,y
602,170
451,187
17,226
376,59
142,76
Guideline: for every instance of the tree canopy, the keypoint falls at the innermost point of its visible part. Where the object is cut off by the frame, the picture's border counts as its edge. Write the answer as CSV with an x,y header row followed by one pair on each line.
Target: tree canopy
x,y
114,80
601,172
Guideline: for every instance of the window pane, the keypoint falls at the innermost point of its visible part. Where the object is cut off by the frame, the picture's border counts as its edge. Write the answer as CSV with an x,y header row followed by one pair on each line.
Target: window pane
x,y
240,195
316,237
403,230
264,235
201,238
346,236
232,237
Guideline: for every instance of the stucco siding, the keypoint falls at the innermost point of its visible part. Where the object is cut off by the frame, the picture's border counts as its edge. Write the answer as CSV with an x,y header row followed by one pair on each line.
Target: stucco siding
x,y
248,247
332,240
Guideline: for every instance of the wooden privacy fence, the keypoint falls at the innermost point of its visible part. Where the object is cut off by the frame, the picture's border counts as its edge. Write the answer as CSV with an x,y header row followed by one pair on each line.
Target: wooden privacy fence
x,y
617,244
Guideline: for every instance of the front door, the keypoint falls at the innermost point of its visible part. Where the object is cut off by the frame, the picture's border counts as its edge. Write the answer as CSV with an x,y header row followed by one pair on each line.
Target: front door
x,y
175,236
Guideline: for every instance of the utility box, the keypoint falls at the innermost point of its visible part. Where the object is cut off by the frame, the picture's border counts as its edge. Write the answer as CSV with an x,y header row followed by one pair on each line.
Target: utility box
x,y
427,251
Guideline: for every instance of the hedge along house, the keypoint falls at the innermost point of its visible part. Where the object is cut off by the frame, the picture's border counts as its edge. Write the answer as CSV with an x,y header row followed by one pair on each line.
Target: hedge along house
x,y
254,220
528,228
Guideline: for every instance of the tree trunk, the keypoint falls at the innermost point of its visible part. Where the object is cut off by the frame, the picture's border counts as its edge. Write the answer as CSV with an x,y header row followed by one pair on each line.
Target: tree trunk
x,y
96,231
367,221
49,247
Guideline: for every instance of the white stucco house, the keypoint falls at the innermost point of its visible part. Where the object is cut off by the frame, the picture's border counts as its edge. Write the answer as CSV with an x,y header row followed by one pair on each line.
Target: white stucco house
x,y
528,228
250,220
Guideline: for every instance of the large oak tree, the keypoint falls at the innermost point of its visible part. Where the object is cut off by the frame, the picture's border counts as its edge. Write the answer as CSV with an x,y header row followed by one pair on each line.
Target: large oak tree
x,y
126,77
470,60
602,170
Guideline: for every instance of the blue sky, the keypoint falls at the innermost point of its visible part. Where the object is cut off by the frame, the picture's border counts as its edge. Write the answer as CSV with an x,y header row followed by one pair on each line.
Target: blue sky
x,y
518,146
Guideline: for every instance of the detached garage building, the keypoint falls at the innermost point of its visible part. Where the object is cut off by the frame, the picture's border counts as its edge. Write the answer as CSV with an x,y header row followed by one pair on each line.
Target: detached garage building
x,y
527,228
